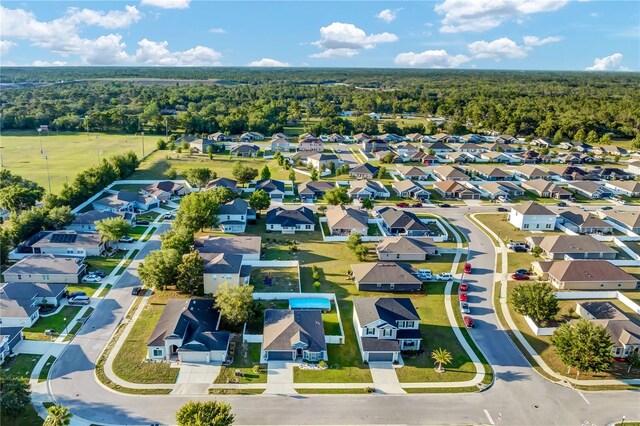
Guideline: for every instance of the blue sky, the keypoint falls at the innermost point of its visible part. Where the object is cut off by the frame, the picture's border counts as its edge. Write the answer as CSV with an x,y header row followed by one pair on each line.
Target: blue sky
x,y
481,34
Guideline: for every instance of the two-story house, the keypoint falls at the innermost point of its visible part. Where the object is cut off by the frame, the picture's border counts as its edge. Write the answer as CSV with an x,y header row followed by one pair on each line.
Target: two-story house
x,y
233,216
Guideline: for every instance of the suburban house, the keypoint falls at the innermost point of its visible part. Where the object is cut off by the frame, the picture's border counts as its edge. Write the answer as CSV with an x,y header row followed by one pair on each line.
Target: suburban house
x,y
291,334
64,243
46,268
251,136
590,189
223,268
625,334
412,173
364,171
359,189
501,189
383,154
390,137
471,148
343,220
385,326
628,220
437,147
574,247
164,190
281,145
249,247
18,313
373,145
610,150
218,137
500,157
313,190
233,216
275,188
321,161
406,149
359,137
311,144
583,222
634,168
188,330
450,173
454,189
290,221
9,338
244,150
384,276
589,275
461,157
335,138
531,216
405,248
86,222
409,189
399,222
20,302
425,158
613,173
414,137
570,173
196,143
546,189
486,172
630,188
472,138
230,184
124,201
280,136
530,172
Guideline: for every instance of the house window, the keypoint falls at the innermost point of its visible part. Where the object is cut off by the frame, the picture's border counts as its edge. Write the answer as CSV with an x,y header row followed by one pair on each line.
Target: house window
x,y
378,285
45,277
526,226
392,286
19,276
308,227
397,256
228,217
157,352
548,226
387,332
369,331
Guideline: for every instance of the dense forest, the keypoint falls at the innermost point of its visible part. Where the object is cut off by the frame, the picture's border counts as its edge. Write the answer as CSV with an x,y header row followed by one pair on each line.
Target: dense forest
x,y
519,103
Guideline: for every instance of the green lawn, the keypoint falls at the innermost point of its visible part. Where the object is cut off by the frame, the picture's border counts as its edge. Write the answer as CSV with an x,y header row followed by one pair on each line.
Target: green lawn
x,y
68,153
374,230
246,356
282,280
107,264
137,232
127,262
21,366
128,363
499,224
44,373
150,216
55,322
330,322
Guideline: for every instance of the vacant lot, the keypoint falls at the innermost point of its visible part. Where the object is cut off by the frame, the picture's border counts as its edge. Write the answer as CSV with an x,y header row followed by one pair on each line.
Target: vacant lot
x,y
67,153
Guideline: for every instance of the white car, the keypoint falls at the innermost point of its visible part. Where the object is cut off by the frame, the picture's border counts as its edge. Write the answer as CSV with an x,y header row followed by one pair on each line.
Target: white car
x,y
126,239
445,276
91,279
424,274
168,215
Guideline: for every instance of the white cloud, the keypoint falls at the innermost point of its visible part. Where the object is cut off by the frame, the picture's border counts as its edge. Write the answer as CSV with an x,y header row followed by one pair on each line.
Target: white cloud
x,y
5,45
157,54
482,15
537,41
105,50
430,59
166,4
111,19
388,15
217,30
267,62
342,39
608,63
48,64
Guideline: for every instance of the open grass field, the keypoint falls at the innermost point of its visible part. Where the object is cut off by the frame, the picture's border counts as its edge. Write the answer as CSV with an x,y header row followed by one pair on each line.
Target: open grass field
x,y
67,153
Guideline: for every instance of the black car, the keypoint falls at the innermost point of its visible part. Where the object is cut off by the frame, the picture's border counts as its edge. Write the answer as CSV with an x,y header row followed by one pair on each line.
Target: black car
x,y
520,249
75,294
142,222
445,205
503,209
135,291
562,204
522,272
606,208
100,273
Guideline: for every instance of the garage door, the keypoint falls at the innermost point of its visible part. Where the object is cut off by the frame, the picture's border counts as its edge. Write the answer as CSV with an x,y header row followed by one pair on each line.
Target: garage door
x,y
194,356
280,355
380,356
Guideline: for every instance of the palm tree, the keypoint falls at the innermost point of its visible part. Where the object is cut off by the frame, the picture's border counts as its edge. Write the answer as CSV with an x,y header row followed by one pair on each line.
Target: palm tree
x,y
441,357
59,415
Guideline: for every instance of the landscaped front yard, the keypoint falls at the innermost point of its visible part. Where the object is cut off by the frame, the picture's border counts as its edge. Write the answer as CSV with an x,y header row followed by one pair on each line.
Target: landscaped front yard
x,y
246,356
107,264
57,322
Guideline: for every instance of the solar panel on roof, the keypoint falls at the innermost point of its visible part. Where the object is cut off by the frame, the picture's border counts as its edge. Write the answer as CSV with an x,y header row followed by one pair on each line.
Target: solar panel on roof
x,y
63,238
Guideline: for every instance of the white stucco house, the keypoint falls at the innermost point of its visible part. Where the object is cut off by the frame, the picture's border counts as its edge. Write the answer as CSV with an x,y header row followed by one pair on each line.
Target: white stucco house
x,y
531,216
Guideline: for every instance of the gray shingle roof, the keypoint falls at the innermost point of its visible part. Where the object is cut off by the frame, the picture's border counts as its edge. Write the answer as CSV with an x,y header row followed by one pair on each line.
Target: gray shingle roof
x,y
401,219
30,290
285,327
46,264
221,263
288,218
387,309
383,273
235,207
232,245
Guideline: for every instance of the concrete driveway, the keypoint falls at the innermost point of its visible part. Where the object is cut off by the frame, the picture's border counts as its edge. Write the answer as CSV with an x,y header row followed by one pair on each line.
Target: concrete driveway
x,y
38,347
280,378
385,379
195,378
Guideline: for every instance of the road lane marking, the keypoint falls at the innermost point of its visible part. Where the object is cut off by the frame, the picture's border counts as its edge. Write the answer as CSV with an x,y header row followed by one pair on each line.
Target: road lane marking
x,y
486,412
584,397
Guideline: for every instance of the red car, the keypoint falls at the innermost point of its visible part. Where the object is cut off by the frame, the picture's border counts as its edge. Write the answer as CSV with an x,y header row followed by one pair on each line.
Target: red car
x,y
519,277
402,205
464,287
416,205
468,321
467,268
462,296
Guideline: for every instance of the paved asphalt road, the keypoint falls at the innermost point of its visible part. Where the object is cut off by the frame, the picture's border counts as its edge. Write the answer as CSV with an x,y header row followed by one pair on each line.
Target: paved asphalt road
x,y
519,397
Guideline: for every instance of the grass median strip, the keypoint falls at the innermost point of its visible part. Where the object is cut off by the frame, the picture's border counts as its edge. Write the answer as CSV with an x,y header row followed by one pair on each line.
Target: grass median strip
x,y
44,373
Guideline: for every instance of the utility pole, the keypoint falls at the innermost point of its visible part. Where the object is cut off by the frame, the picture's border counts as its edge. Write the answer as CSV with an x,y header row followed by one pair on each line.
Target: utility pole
x,y
46,160
40,138
86,123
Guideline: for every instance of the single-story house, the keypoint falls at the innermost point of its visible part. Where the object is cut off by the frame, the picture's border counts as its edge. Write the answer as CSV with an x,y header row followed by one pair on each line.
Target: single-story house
x,y
233,216
610,150
409,189
290,221
412,173
530,172
531,216
335,138
313,190
382,154
374,145
574,247
450,173
124,201
364,171
275,188
486,172
571,173
626,219
244,150
501,189
625,334
384,276
454,189
219,137
461,157
471,148
405,248
188,330
164,190
86,222
38,293
18,313
589,275
613,173
359,137
437,147
64,243
321,161
630,188
385,326
46,268
500,157
583,222
398,222
196,143
311,144
251,136
230,184
342,220
546,189
359,189
590,189
293,334
633,168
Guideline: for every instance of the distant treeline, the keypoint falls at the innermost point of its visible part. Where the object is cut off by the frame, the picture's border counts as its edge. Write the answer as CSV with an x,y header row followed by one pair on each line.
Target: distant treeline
x,y
520,103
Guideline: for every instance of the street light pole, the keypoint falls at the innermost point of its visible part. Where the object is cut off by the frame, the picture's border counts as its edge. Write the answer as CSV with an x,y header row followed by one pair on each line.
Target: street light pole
x,y
86,123
40,138
46,160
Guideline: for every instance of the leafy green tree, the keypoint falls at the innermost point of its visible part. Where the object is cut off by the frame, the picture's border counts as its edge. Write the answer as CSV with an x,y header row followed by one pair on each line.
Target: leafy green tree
x,y
16,198
381,172
190,272
583,346
235,302
242,173
605,139
160,268
59,415
259,200
198,210
558,137
391,127
198,176
210,413
114,228
292,175
52,200
633,359
5,246
314,174
388,158
125,164
337,196
354,241
161,144
537,301
27,223
581,135
635,143
171,174
592,138
332,167
441,357
178,238
265,173
361,251
16,395
59,217
365,124
367,204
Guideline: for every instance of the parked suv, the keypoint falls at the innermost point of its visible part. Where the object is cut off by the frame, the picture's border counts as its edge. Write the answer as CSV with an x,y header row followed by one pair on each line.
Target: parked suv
x,y
79,300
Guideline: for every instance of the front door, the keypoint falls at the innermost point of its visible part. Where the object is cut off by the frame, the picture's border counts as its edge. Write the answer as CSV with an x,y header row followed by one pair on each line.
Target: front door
x,y
298,352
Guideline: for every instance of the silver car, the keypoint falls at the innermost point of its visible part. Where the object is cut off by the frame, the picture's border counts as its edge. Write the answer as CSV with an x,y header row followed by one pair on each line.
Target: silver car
x,y
464,308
